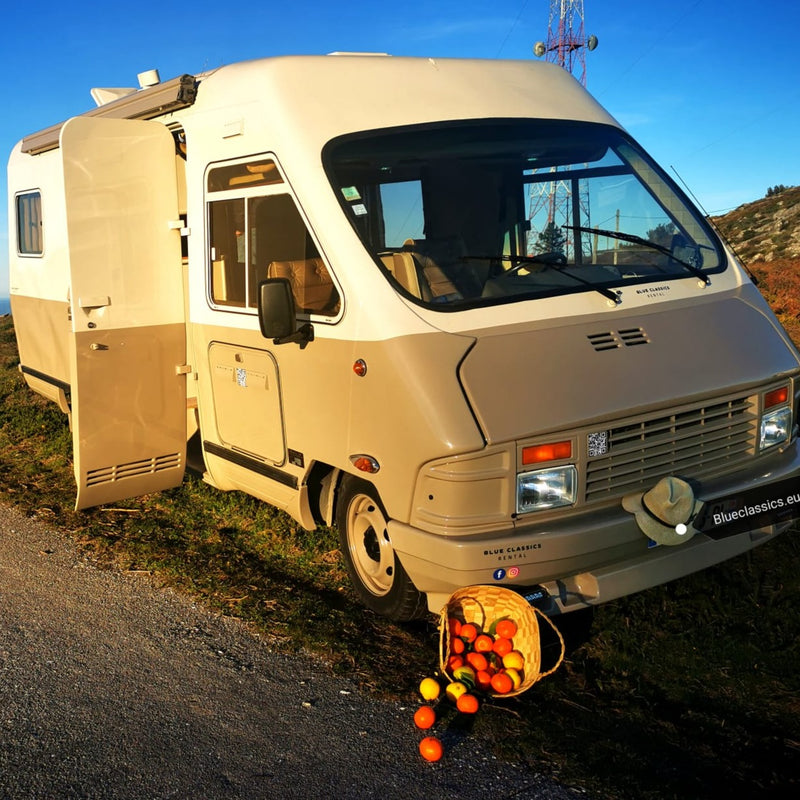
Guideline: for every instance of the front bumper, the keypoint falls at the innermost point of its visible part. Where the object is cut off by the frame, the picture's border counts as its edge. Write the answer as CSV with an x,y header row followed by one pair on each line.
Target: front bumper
x,y
585,559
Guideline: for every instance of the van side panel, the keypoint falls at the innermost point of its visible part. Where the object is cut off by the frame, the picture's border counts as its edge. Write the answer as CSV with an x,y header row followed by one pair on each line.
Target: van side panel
x,y
39,281
269,413
42,328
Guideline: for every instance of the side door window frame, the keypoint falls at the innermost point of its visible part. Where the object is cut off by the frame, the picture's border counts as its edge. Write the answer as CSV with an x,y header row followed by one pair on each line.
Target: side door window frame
x,y
235,183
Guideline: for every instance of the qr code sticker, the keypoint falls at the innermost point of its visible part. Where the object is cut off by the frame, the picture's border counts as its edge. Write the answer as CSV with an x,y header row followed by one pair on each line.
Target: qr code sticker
x,y
597,443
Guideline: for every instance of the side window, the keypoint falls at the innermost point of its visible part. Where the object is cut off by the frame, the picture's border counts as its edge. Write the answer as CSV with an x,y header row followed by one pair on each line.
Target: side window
x,y
258,236
30,234
281,247
226,226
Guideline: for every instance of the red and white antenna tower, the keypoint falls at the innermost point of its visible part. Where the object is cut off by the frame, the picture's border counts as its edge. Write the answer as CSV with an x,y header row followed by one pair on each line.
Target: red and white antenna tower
x,y
566,46
566,43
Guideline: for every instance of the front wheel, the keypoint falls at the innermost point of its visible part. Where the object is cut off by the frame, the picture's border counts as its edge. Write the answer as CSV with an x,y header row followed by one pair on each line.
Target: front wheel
x,y
377,575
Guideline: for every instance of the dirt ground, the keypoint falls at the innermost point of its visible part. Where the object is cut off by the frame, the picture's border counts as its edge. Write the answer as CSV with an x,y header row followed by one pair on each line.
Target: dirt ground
x,y
113,688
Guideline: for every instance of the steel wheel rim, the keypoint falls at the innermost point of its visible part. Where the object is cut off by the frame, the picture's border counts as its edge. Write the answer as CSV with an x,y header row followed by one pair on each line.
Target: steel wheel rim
x,y
371,552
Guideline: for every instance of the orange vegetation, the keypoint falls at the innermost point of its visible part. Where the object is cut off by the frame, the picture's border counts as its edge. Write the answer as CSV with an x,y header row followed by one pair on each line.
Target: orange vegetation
x,y
779,282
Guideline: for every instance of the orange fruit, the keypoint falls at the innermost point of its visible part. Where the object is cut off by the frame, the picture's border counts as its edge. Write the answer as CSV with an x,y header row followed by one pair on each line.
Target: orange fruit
x,y
506,628
424,717
454,662
429,688
483,680
457,645
477,661
501,683
483,643
502,646
469,632
430,748
467,703
514,660
454,626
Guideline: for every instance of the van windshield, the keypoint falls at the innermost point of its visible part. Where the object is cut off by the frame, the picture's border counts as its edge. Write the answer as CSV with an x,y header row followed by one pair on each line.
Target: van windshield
x,y
460,215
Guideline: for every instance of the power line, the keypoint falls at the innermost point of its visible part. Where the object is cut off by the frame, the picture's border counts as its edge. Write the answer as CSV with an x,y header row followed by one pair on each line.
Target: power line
x,y
511,29
653,45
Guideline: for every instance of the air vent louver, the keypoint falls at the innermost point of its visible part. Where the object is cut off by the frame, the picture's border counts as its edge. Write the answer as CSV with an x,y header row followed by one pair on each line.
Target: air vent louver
x,y
612,340
147,466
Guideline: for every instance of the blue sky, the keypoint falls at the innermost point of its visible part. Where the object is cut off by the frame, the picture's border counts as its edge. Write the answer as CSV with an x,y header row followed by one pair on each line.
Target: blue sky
x,y
708,87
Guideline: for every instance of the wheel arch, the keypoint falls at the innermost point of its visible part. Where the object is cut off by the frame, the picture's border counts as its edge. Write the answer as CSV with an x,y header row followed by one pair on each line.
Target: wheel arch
x,y
323,486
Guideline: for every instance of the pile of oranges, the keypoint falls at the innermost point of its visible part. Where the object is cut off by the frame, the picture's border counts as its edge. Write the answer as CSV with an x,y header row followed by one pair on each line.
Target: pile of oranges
x,y
478,663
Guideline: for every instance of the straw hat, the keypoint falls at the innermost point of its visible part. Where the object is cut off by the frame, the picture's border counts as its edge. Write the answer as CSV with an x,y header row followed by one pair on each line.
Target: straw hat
x,y
664,513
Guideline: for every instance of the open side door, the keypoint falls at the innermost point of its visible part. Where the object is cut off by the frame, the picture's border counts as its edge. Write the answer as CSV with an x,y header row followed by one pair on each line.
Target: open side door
x,y
128,343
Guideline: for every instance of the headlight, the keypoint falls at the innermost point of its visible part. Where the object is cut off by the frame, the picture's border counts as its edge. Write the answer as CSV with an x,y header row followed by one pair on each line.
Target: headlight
x,y
546,488
775,427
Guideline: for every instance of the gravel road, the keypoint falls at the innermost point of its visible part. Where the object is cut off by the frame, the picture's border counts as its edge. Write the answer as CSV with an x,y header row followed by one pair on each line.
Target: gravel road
x,y
112,688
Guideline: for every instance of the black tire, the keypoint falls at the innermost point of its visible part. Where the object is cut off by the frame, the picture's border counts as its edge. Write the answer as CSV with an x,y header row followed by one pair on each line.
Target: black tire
x,y
375,571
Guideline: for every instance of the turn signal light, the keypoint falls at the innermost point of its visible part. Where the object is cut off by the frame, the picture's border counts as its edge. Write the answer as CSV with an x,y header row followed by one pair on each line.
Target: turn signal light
x,y
776,397
537,453
365,463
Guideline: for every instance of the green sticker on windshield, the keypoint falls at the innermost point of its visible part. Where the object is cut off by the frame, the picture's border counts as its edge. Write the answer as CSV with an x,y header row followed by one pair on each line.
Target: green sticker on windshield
x,y
350,193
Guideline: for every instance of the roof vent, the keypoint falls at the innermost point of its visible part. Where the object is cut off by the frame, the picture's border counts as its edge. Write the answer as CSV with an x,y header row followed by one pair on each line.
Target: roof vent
x,y
148,78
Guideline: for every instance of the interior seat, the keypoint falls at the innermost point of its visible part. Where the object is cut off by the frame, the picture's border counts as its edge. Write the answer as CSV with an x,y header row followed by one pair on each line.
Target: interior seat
x,y
312,286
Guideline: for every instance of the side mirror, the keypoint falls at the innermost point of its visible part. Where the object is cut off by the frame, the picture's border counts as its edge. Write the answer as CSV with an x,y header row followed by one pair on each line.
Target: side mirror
x,y
277,316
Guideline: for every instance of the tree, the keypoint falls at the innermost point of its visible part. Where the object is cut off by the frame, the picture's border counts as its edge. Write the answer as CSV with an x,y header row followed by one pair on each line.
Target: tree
x,y
551,239
662,234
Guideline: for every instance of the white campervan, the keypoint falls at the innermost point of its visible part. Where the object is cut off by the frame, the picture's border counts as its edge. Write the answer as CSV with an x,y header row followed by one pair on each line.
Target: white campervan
x,y
448,305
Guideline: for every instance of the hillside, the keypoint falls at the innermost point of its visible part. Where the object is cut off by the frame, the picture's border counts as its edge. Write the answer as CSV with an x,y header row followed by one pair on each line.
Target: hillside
x,y
765,230
766,236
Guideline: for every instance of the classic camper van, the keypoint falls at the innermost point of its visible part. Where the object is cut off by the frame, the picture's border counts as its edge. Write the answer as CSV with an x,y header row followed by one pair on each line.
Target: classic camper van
x,y
448,306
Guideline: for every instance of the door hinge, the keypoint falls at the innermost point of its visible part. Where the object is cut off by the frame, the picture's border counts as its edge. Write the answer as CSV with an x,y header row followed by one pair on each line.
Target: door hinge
x,y
94,301
177,225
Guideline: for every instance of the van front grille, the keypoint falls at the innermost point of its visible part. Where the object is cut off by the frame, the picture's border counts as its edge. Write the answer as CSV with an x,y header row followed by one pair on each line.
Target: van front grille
x,y
702,441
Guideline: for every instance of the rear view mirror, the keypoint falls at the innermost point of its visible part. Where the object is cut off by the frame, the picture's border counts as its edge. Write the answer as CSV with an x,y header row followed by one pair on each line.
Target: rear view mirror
x,y
276,314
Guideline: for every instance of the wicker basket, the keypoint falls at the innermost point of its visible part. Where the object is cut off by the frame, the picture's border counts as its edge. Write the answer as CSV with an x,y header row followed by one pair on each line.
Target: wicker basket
x,y
485,605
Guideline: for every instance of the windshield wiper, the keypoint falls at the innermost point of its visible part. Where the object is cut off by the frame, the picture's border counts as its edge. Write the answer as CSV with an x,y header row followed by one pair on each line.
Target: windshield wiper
x,y
554,261
634,239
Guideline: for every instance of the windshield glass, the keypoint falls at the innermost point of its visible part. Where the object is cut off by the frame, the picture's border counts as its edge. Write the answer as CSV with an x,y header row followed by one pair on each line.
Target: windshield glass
x,y
477,213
